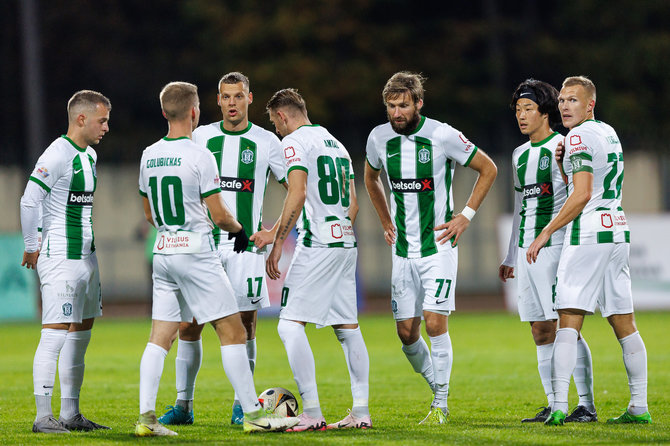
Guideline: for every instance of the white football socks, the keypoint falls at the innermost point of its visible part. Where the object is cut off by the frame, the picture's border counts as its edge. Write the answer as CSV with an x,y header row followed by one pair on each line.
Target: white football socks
x,y
358,363
45,364
187,365
544,353
236,366
151,369
71,371
562,365
442,356
418,355
635,360
583,375
301,360
251,354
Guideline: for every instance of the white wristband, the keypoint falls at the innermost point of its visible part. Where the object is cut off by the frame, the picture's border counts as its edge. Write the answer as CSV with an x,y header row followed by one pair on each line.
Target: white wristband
x,y
468,212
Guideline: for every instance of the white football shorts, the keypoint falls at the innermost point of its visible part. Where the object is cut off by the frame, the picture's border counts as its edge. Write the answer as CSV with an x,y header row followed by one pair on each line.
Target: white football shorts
x,y
188,286
70,289
596,274
246,272
424,284
536,284
320,287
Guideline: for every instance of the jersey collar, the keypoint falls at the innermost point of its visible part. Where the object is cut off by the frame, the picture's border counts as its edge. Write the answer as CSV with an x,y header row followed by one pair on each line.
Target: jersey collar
x,y
239,132
73,143
544,141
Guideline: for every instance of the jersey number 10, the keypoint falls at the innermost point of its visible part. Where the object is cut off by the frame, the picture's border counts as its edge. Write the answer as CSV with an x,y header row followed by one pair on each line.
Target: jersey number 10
x,y
172,200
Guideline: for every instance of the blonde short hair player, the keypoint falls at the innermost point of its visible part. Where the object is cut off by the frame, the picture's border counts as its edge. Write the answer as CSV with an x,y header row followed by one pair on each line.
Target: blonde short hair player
x,y
594,265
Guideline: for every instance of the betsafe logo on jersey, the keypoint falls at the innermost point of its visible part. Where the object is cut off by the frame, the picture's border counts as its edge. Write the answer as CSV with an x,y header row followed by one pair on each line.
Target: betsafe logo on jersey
x,y
412,185
237,184
538,190
80,199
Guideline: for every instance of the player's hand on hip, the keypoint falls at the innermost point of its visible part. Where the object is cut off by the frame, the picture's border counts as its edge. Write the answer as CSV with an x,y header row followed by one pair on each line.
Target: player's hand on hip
x,y
505,272
389,234
534,248
452,229
272,263
262,238
560,152
30,259
241,240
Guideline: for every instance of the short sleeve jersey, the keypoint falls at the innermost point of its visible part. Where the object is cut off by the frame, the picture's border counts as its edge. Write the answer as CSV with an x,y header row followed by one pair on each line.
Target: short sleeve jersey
x,y
539,183
245,160
420,170
175,175
313,149
67,172
594,146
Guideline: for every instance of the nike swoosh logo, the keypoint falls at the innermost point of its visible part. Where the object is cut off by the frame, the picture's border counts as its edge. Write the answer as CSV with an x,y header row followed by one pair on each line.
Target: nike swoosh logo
x,y
390,155
521,165
260,425
48,387
77,171
523,94
256,301
438,302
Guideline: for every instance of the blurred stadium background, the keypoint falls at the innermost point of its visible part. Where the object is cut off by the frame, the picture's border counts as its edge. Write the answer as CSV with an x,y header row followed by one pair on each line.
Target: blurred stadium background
x,y
338,54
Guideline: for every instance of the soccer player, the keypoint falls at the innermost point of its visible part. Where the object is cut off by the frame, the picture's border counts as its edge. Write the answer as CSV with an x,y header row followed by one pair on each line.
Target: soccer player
x,y
419,156
245,154
61,186
179,182
320,285
594,265
539,193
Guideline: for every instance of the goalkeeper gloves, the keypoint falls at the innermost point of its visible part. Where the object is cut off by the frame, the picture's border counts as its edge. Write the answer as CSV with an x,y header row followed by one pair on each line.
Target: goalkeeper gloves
x,y
241,240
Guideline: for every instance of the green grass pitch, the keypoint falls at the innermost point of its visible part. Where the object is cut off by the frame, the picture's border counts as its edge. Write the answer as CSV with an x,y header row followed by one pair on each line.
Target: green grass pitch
x,y
494,383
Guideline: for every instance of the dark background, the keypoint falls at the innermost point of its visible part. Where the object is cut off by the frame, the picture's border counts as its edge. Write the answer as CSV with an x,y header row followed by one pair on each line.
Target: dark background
x,y
338,54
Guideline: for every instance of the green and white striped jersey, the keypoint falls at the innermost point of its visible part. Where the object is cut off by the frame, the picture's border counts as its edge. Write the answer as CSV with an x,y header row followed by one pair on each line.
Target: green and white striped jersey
x,y
420,170
540,188
175,175
324,220
594,146
67,172
244,159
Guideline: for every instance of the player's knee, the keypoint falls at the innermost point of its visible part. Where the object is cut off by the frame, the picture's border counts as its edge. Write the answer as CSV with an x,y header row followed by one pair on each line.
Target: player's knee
x,y
436,326
544,332
407,335
190,331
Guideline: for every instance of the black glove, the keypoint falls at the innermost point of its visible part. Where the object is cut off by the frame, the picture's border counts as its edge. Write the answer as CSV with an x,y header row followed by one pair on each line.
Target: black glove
x,y
241,240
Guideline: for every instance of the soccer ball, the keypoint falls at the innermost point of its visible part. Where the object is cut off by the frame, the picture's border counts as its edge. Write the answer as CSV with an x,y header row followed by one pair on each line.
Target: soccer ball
x,y
279,401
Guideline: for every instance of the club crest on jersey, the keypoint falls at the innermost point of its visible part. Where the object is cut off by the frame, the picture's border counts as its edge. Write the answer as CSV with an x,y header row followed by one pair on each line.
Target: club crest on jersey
x,y
67,309
544,162
412,185
247,156
43,172
424,155
289,152
237,184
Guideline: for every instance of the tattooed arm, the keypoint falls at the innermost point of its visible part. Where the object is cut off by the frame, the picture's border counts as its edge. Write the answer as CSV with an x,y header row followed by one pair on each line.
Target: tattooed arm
x,y
295,200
